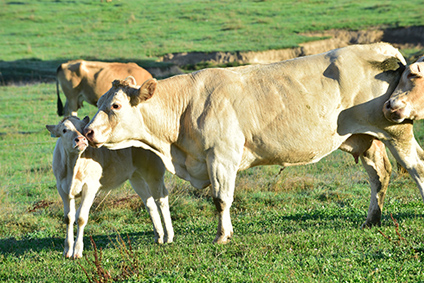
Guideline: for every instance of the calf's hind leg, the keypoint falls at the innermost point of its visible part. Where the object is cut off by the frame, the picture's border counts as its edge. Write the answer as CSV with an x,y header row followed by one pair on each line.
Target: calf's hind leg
x,y
372,153
143,190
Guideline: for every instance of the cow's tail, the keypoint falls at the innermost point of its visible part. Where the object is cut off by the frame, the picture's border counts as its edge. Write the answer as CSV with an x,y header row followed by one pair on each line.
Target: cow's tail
x,y
59,101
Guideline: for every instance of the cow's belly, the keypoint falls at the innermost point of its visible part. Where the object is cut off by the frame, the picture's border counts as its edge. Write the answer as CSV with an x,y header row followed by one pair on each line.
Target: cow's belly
x,y
292,146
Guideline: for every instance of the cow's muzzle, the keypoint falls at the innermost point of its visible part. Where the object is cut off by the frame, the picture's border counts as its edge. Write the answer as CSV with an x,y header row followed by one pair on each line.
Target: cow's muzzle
x,y
89,134
394,110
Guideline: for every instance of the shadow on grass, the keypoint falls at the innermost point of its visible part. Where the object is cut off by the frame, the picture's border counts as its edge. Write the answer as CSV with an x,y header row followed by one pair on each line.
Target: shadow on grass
x,y
26,71
16,248
320,220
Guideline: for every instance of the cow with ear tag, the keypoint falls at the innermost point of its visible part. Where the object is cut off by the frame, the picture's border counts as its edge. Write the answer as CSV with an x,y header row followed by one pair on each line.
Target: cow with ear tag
x,y
407,101
81,171
208,125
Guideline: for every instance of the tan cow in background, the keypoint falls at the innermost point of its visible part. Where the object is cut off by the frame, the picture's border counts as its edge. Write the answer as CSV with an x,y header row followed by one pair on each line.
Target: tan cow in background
x,y
83,171
88,80
208,125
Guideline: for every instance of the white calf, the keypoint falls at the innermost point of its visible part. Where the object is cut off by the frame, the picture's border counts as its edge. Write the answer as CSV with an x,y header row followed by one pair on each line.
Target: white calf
x,y
82,171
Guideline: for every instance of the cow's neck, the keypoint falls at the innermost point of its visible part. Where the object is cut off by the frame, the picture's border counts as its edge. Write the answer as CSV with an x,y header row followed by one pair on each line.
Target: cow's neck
x,y
169,103
163,115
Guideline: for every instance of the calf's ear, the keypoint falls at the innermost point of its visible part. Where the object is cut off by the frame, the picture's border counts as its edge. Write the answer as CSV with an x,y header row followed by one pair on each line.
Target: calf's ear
x,y
147,90
52,130
86,120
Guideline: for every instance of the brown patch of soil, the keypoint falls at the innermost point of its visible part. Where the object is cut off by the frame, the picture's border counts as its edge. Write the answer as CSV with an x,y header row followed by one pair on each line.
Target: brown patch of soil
x,y
402,38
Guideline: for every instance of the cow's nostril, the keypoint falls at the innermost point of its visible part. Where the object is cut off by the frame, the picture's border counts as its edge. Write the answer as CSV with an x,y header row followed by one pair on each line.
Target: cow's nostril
x,y
89,133
388,104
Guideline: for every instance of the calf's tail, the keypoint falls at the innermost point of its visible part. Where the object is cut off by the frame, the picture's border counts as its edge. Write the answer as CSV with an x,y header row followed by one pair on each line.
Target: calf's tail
x,y
59,102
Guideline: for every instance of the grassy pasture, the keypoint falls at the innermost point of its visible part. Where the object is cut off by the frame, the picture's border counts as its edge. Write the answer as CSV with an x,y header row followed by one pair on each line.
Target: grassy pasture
x,y
300,225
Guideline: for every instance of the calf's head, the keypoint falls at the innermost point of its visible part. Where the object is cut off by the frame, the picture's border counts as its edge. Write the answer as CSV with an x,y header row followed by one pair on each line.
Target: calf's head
x,y
118,119
70,132
407,101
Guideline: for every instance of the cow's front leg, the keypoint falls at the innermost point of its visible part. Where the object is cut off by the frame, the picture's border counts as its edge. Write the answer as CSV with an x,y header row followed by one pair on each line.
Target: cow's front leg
x,y
222,175
87,198
378,167
225,228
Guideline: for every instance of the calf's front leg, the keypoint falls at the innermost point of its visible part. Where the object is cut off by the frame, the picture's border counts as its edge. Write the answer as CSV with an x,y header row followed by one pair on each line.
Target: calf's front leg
x,y
69,219
87,198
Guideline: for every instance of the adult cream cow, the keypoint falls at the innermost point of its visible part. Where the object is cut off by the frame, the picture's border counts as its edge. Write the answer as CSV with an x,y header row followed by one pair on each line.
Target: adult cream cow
x,y
408,98
210,124
82,171
88,80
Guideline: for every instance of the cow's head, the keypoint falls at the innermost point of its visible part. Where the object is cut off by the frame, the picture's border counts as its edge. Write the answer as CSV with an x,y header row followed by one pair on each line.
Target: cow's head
x,y
407,101
118,120
69,130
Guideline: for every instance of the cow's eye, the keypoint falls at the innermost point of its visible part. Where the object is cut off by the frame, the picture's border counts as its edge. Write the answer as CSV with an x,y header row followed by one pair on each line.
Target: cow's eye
x,y
64,130
116,106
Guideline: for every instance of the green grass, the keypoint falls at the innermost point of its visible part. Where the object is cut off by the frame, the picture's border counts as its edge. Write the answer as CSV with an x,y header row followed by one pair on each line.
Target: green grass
x,y
298,225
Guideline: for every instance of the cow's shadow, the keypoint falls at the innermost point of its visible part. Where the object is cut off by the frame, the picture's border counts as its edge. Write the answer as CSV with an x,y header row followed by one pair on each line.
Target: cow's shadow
x,y
34,70
16,248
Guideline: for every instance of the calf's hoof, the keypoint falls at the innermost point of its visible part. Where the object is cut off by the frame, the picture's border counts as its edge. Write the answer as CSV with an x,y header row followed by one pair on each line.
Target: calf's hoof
x,y
169,239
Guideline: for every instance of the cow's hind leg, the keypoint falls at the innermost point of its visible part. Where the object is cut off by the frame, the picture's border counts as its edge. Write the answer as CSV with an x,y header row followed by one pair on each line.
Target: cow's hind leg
x,y
372,153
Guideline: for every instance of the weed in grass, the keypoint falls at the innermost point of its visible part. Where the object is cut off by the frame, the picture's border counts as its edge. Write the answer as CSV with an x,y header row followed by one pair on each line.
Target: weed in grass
x,y
400,242
129,266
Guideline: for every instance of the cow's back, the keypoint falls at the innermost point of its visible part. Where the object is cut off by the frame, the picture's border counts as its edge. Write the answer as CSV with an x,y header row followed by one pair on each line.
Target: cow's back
x,y
102,74
287,113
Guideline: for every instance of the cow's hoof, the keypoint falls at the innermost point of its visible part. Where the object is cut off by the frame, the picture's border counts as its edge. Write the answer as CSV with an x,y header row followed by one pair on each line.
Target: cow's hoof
x,y
222,240
369,224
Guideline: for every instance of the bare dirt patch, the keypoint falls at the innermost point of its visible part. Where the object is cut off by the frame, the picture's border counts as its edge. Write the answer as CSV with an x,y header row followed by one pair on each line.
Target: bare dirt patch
x,y
402,38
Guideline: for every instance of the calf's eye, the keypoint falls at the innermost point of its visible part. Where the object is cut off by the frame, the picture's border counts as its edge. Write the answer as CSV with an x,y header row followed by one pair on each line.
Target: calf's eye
x,y
64,130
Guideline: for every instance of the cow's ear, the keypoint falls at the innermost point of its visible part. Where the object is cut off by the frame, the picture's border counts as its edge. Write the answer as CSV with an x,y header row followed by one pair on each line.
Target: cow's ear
x,y
86,120
416,71
147,90
52,130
